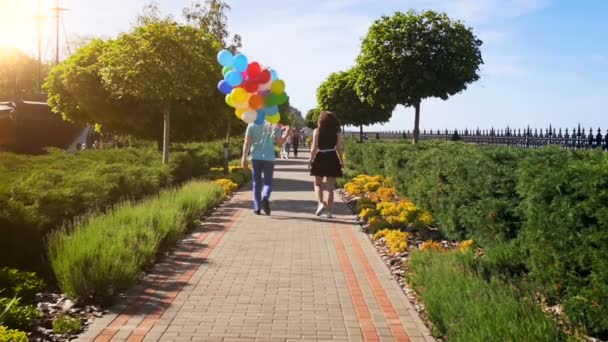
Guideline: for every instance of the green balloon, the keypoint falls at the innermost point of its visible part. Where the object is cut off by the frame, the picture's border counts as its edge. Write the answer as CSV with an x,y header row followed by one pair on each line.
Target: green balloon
x,y
282,98
271,100
226,70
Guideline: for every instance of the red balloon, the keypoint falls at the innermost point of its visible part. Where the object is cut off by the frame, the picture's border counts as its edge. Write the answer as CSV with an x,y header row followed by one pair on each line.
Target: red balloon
x,y
264,77
254,69
250,85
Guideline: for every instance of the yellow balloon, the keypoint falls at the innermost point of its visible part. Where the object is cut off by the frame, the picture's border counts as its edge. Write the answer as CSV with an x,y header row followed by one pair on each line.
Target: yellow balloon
x,y
274,119
239,113
277,87
240,95
229,100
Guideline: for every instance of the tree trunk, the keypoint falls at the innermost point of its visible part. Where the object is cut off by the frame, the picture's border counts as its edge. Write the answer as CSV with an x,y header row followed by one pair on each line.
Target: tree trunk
x,y
166,132
416,122
227,147
360,133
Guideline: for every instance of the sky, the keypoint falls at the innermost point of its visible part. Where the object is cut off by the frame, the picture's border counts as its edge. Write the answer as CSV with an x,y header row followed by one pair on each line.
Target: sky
x,y
545,61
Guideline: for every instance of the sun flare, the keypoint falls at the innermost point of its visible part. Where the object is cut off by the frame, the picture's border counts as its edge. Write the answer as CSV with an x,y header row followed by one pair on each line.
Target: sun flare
x,y
18,27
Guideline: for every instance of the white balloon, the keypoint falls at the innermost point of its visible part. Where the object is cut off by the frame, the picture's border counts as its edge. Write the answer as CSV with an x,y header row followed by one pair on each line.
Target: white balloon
x,y
265,86
250,116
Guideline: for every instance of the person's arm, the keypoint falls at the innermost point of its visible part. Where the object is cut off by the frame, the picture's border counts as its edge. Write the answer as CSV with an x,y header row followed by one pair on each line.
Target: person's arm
x,y
281,139
246,149
340,148
315,146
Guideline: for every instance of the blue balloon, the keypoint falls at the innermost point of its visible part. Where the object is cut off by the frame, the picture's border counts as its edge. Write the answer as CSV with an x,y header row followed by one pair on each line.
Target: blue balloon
x,y
260,118
274,75
234,78
240,63
271,110
225,58
224,87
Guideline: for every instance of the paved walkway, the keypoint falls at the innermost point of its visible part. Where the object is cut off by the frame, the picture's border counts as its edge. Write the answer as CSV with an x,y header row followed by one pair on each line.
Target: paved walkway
x,y
288,277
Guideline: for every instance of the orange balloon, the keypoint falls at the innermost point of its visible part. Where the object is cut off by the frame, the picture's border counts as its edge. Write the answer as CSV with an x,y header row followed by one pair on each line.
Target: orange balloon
x,y
256,101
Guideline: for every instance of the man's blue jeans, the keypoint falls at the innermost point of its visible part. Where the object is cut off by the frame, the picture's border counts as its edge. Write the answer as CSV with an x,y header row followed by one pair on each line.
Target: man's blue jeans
x,y
261,188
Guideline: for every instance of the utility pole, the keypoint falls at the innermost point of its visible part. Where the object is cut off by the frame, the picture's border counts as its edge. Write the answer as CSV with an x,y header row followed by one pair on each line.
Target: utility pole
x,y
57,11
39,19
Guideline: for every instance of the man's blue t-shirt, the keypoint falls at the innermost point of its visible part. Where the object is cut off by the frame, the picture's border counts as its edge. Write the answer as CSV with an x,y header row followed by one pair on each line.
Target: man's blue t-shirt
x,y
263,140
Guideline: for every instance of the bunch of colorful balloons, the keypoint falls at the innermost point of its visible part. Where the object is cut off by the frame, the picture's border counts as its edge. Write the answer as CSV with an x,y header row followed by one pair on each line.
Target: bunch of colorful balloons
x,y
255,92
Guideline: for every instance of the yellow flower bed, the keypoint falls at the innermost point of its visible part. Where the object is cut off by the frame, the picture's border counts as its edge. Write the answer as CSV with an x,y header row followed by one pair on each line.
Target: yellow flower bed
x,y
396,240
229,186
379,193
431,246
466,245
367,213
231,168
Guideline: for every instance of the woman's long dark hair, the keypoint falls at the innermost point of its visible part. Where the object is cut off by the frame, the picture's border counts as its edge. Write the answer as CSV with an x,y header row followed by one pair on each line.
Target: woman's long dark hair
x,y
328,123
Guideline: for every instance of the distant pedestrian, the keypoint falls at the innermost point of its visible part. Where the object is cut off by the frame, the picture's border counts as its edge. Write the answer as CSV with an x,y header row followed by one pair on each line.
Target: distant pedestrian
x,y
295,141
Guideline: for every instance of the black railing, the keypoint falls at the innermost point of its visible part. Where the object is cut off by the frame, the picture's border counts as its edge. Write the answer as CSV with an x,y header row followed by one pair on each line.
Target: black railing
x,y
576,138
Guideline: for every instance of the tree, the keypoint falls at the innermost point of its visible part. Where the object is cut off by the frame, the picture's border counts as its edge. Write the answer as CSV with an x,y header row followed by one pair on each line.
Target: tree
x,y
312,117
160,63
18,75
211,17
76,90
409,57
339,95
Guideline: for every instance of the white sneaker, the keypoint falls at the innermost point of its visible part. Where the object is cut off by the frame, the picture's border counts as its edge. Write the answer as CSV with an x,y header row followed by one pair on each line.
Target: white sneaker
x,y
329,216
320,209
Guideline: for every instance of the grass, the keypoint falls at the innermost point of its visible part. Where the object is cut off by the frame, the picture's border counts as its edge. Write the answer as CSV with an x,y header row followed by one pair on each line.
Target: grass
x,y
465,307
65,325
105,254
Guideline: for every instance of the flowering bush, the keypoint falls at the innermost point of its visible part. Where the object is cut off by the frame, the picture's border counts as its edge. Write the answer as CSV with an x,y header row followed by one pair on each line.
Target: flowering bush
x,y
431,246
384,194
367,213
395,239
371,186
466,245
376,223
353,188
229,186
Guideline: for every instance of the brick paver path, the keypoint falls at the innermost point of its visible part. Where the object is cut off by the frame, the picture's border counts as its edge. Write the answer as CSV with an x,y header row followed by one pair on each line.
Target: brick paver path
x,y
288,277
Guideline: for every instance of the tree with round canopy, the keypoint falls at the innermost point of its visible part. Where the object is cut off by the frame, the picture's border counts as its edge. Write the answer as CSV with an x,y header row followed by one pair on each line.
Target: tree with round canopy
x,y
411,56
160,63
338,94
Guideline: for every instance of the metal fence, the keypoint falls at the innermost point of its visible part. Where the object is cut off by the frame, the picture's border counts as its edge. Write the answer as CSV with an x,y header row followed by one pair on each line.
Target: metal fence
x,y
577,138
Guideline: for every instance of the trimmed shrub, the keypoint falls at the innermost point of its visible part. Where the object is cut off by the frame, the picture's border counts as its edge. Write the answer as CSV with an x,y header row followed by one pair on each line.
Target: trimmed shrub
x,y
540,214
104,254
41,193
464,307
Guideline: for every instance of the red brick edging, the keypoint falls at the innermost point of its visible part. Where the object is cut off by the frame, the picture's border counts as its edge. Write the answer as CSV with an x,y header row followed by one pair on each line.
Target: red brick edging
x,y
152,318
395,324
361,308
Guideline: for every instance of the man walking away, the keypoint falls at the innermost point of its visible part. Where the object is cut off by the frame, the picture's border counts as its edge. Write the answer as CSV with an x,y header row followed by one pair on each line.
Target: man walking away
x,y
259,144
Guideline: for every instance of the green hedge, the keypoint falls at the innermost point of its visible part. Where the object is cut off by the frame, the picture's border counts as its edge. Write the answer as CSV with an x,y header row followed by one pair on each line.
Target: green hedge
x,y
106,253
464,307
40,193
542,214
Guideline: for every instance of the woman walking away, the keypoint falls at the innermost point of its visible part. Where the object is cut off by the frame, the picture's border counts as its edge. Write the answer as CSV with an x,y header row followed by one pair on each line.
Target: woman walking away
x,y
259,144
326,160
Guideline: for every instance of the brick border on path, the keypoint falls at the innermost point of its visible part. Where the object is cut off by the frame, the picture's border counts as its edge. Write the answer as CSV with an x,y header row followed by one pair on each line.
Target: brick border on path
x,y
395,324
368,328
161,281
